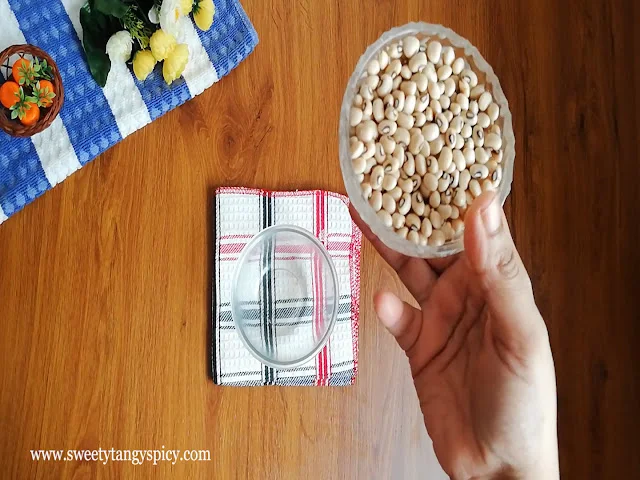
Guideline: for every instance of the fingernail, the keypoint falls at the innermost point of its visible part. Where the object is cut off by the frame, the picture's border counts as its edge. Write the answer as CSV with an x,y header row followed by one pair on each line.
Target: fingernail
x,y
492,218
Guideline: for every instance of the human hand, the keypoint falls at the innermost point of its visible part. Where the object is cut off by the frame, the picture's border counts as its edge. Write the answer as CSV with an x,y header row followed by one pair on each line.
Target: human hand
x,y
479,352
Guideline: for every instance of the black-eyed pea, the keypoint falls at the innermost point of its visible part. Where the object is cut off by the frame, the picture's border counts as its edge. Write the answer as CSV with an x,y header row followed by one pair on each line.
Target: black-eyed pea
x,y
419,119
451,138
432,165
476,92
455,179
418,62
359,165
496,176
388,203
402,137
447,197
398,99
367,131
426,228
366,92
366,190
430,114
473,107
398,155
385,127
447,229
474,188
478,136
445,102
444,72
404,203
463,101
371,162
471,118
377,175
411,46
356,149
406,185
388,144
445,158
430,72
376,200
385,217
457,66
469,77
484,101
434,50
448,55
466,131
430,132
444,182
388,101
436,219
421,81
493,141
409,87
434,91
460,198
422,105
360,178
358,100
468,143
405,121
383,59
444,211
416,143
449,87
417,203
459,143
380,154
434,199
378,110
405,73
437,145
430,183
397,220
491,165
458,227
455,213
483,120
465,178
355,116
482,156
389,182
396,193
413,237
416,181
459,160
367,110
437,239
373,82
370,150
396,82
464,89
479,171
409,104
394,67
412,222
493,111
402,231
409,165
495,129
456,124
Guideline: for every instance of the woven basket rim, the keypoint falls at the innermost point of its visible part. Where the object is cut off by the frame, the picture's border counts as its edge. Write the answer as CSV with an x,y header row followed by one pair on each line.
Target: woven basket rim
x,y
15,128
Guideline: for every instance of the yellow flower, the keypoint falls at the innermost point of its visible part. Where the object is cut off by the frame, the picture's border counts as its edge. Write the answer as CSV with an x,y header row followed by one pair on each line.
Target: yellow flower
x,y
175,63
162,44
143,64
186,6
203,14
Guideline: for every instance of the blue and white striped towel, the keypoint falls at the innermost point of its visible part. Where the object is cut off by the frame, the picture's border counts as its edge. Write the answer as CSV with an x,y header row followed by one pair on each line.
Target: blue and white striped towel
x,y
94,119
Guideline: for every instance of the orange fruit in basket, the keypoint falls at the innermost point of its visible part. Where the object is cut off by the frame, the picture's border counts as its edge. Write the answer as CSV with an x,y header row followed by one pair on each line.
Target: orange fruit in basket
x,y
31,114
23,71
44,93
9,94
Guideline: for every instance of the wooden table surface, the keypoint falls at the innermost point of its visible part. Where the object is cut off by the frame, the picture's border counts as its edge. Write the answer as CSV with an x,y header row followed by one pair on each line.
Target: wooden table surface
x,y
105,281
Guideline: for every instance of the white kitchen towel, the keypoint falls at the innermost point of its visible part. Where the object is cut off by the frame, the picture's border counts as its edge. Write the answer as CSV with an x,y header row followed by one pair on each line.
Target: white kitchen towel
x,y
241,213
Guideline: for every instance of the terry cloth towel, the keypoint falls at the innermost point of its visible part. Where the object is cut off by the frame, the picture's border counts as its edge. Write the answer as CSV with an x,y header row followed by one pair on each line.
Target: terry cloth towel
x,y
241,213
94,119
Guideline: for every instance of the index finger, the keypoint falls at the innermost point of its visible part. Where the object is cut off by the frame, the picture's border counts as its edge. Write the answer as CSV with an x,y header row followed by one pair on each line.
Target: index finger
x,y
415,273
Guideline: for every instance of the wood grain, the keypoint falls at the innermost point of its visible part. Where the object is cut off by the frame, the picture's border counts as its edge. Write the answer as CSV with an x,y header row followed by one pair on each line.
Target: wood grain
x,y
105,281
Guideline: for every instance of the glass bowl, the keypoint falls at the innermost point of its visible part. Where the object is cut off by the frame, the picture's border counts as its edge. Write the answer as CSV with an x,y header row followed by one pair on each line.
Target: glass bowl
x,y
465,49
285,296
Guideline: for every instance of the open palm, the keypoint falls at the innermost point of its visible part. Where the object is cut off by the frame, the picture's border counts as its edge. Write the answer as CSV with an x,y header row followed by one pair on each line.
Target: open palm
x,y
479,353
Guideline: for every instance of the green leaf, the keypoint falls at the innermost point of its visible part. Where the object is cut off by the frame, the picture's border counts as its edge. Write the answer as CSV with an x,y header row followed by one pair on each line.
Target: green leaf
x,y
97,29
31,99
14,114
115,8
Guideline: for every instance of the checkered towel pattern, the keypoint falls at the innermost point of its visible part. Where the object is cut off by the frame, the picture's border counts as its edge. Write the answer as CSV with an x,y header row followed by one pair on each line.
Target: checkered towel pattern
x,y
93,119
240,214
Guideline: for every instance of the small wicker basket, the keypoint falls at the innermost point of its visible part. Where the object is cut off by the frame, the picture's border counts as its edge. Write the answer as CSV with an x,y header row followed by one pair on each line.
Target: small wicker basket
x,y
13,127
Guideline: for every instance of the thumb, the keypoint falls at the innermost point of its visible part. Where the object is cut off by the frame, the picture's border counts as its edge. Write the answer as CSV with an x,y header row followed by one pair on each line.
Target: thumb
x,y
504,281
